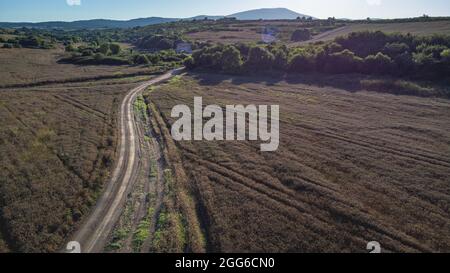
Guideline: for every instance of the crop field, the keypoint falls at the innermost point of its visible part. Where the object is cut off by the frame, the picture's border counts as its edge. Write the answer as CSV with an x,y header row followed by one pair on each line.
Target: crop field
x,y
27,66
58,144
252,31
414,28
352,167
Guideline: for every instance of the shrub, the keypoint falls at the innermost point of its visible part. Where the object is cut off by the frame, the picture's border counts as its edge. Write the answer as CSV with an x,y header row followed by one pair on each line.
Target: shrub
x,y
343,62
302,62
70,48
404,63
433,50
31,42
364,43
189,63
98,57
87,52
231,60
141,59
395,49
115,49
377,64
333,48
104,49
281,59
445,55
7,46
259,58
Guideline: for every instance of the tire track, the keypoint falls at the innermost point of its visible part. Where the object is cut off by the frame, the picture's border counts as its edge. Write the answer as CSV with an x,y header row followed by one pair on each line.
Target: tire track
x,y
94,231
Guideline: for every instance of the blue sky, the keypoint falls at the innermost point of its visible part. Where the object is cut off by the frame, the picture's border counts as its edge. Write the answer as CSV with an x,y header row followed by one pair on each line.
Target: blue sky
x,y
70,10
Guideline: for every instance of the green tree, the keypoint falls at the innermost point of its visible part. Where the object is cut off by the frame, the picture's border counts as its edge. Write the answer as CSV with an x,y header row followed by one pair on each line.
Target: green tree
x,y
115,49
259,58
302,62
104,49
141,59
378,64
231,60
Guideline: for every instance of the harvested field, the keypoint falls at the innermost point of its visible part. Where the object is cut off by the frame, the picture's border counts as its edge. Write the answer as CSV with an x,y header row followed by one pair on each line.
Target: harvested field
x,y
251,31
57,146
352,167
414,28
25,66
226,37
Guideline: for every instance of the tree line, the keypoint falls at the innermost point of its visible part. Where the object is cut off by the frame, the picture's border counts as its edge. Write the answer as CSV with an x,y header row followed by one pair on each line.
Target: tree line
x,y
360,52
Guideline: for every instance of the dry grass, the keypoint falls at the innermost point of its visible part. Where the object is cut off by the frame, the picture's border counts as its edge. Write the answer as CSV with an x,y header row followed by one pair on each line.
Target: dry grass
x,y
226,37
415,28
25,66
57,147
351,168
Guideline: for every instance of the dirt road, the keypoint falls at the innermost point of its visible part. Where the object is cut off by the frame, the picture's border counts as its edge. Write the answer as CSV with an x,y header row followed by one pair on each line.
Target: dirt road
x,y
93,234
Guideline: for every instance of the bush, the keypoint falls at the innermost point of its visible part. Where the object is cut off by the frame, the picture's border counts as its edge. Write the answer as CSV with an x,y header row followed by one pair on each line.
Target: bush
x,y
98,57
231,60
103,49
302,62
31,42
87,52
70,48
141,59
404,63
189,63
364,43
115,49
343,62
445,55
281,59
259,58
395,49
158,42
7,46
301,35
377,64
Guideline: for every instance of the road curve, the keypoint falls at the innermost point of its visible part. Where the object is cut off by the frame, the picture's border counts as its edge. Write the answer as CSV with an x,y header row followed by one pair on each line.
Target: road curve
x,y
94,231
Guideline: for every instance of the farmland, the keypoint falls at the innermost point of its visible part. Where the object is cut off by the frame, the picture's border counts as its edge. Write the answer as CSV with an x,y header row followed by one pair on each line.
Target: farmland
x,y
58,143
28,66
252,32
363,153
352,167
414,28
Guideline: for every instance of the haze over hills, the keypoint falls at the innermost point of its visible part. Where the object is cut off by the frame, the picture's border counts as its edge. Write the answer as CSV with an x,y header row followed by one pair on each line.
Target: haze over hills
x,y
266,14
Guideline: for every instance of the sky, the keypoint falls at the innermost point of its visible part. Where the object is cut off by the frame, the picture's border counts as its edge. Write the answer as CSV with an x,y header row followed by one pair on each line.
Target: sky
x,y
71,10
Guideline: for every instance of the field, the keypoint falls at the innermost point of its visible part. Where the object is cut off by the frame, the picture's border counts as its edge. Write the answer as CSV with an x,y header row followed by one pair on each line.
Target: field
x,y
57,146
28,66
252,32
352,167
414,28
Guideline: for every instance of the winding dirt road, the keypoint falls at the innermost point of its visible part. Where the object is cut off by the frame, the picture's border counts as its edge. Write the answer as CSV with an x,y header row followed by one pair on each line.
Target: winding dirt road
x,y
93,233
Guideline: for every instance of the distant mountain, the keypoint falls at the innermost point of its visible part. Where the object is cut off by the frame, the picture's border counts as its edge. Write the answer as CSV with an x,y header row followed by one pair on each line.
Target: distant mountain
x,y
268,14
93,24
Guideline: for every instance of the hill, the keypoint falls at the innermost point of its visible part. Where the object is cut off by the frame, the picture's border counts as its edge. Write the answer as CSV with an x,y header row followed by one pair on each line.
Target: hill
x,y
92,24
268,14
